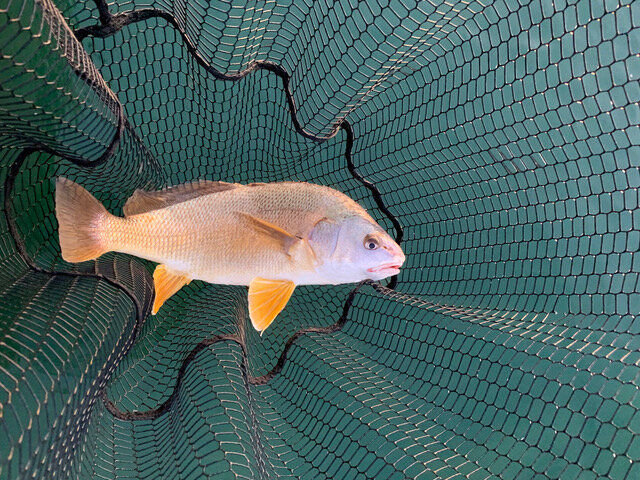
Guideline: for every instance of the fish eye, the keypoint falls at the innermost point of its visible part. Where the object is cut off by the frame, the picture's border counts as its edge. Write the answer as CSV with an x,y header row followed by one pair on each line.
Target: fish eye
x,y
371,243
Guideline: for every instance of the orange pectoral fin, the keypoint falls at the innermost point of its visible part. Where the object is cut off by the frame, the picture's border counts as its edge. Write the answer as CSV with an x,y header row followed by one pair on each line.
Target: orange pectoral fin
x,y
284,238
267,298
166,284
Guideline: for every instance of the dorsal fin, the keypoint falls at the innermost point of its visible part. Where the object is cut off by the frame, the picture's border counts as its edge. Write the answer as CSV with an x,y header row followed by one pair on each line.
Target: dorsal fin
x,y
142,201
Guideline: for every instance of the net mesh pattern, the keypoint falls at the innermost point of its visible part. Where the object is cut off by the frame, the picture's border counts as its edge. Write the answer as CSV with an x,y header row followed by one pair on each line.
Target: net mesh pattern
x,y
498,141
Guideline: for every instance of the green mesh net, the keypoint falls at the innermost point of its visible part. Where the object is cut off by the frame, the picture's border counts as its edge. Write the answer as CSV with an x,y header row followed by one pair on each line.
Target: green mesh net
x,y
498,140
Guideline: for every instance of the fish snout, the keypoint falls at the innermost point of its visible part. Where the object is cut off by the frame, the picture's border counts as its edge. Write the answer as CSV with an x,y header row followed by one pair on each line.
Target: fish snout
x,y
392,266
397,253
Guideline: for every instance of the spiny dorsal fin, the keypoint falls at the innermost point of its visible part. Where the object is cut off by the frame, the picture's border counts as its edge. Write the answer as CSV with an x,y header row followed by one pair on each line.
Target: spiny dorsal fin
x,y
166,284
142,201
267,298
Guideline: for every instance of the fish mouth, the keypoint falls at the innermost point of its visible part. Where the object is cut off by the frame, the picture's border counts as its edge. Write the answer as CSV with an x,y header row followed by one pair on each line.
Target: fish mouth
x,y
392,268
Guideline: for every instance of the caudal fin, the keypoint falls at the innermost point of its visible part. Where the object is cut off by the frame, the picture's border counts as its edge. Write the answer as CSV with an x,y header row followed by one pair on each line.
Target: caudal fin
x,y
80,217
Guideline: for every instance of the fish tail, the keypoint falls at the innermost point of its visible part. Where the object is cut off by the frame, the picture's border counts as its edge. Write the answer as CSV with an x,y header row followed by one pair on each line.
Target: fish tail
x,y
80,217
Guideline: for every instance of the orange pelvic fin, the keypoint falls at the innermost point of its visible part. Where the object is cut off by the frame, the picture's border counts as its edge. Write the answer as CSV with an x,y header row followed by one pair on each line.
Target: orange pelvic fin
x,y
267,298
166,284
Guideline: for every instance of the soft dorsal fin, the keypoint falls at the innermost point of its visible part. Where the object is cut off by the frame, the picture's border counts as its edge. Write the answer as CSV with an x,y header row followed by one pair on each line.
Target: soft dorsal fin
x,y
267,298
166,283
142,201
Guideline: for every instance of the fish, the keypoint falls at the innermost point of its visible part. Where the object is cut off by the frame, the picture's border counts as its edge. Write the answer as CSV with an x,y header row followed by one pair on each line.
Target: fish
x,y
270,237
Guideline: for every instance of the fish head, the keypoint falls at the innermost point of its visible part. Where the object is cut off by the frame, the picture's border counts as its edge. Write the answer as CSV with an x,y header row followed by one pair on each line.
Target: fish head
x,y
355,249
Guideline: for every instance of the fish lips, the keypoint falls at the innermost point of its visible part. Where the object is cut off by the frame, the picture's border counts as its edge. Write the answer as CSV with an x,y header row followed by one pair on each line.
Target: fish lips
x,y
387,269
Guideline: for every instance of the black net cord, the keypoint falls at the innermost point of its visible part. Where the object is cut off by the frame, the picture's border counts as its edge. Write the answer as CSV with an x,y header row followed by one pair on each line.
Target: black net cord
x,y
557,362
110,24
261,380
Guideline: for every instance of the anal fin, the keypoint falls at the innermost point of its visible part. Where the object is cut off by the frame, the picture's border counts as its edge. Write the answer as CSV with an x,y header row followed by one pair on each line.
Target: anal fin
x,y
267,298
166,284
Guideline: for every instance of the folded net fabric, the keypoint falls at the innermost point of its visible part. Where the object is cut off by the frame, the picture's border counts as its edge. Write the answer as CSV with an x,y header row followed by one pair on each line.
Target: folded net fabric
x,y
497,140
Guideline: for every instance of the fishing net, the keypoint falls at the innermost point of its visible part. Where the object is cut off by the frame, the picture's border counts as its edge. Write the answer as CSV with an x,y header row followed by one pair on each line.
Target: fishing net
x,y
498,141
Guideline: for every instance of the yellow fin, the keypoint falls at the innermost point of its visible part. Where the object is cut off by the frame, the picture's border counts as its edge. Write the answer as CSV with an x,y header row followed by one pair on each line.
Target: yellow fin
x,y
267,298
142,201
281,236
166,284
